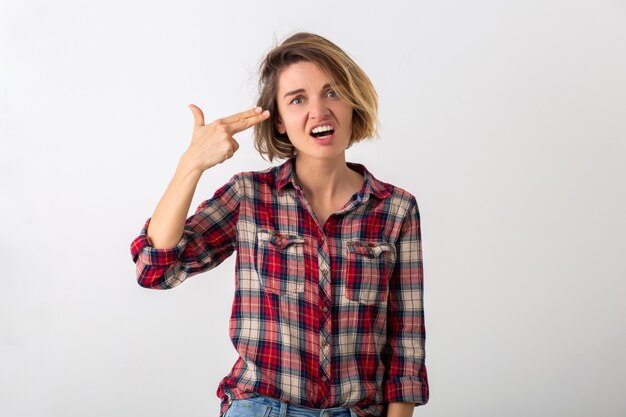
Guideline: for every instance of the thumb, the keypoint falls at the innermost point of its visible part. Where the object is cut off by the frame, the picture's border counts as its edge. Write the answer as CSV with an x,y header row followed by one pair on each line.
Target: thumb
x,y
198,116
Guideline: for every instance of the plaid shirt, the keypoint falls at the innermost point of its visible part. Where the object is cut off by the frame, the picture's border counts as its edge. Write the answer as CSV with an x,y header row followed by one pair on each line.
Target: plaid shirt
x,y
323,315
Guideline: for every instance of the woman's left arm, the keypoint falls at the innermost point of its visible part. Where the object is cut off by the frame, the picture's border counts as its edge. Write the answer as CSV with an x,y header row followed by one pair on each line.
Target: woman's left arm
x,y
400,409
405,380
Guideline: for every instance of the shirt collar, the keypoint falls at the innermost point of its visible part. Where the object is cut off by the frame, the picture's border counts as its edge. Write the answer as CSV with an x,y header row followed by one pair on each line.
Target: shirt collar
x,y
285,176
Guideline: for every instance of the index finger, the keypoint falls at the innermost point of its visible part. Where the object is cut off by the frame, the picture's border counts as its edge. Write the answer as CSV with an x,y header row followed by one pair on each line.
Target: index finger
x,y
247,122
237,117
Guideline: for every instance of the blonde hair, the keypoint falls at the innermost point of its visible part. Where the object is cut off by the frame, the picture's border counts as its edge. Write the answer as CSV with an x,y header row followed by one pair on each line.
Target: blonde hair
x,y
346,77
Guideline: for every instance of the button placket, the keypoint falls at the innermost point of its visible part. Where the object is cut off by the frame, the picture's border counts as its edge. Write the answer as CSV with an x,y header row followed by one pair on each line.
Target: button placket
x,y
325,300
325,345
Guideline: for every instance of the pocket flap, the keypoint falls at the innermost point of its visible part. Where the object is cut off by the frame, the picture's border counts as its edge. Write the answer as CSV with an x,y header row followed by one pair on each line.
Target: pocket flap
x,y
279,240
368,248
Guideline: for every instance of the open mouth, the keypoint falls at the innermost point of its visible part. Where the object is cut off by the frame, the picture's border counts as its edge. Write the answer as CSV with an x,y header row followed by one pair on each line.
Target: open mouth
x,y
322,132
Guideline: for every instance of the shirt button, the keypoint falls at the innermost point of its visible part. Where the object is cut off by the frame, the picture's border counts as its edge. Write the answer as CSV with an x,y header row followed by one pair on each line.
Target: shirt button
x,y
324,378
324,271
324,309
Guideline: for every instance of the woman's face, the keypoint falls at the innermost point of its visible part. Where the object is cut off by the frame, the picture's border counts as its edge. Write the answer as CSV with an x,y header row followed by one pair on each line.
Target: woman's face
x,y
306,101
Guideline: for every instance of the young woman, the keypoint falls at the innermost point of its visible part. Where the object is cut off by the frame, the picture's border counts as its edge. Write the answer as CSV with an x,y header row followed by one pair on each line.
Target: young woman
x,y
328,310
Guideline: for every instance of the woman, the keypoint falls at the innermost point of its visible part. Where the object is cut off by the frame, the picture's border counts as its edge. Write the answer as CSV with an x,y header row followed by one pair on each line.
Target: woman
x,y
327,316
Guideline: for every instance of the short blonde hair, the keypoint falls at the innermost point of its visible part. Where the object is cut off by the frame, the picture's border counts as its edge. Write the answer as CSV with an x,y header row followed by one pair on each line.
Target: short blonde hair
x,y
346,77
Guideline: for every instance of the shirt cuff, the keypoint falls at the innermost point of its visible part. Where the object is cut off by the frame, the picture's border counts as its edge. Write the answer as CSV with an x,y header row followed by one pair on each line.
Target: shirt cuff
x,y
142,250
406,389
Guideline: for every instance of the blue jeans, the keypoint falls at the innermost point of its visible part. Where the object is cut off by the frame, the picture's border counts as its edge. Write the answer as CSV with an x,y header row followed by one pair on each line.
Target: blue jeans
x,y
263,406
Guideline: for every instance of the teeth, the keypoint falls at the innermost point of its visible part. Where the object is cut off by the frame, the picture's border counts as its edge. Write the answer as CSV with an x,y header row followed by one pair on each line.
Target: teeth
x,y
321,129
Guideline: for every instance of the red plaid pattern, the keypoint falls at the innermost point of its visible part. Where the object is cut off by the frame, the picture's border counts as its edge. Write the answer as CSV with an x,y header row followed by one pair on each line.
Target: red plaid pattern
x,y
324,315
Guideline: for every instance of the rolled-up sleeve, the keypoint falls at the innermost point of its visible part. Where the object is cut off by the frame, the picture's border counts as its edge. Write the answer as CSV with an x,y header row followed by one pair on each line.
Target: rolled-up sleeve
x,y
209,237
405,370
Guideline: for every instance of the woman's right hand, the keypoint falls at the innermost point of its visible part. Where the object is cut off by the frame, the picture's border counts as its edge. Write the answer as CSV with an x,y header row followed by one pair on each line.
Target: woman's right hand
x,y
213,143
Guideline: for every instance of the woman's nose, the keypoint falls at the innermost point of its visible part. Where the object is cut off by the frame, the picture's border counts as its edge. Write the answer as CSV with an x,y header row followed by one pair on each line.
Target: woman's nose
x,y
318,110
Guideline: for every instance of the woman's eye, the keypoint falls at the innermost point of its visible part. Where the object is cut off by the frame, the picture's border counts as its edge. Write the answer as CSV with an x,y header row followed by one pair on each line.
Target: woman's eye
x,y
332,93
294,100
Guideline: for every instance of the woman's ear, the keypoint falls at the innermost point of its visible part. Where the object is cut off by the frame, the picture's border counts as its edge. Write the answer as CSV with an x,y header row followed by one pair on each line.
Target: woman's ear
x,y
280,126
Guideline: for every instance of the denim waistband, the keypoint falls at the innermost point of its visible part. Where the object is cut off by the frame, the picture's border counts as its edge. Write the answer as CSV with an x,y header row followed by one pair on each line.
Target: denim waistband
x,y
285,409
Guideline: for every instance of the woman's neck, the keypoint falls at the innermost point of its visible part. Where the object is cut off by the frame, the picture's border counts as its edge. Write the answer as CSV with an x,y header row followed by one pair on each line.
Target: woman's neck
x,y
325,180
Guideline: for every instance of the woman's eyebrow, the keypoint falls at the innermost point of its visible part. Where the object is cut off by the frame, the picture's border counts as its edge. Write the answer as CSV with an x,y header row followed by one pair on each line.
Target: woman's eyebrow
x,y
301,90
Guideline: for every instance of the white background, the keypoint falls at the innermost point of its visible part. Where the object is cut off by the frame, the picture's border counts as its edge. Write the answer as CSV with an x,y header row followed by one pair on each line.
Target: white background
x,y
506,120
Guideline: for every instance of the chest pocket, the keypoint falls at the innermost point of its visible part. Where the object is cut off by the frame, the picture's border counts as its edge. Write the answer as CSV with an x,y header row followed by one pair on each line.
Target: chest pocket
x,y
368,266
280,262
